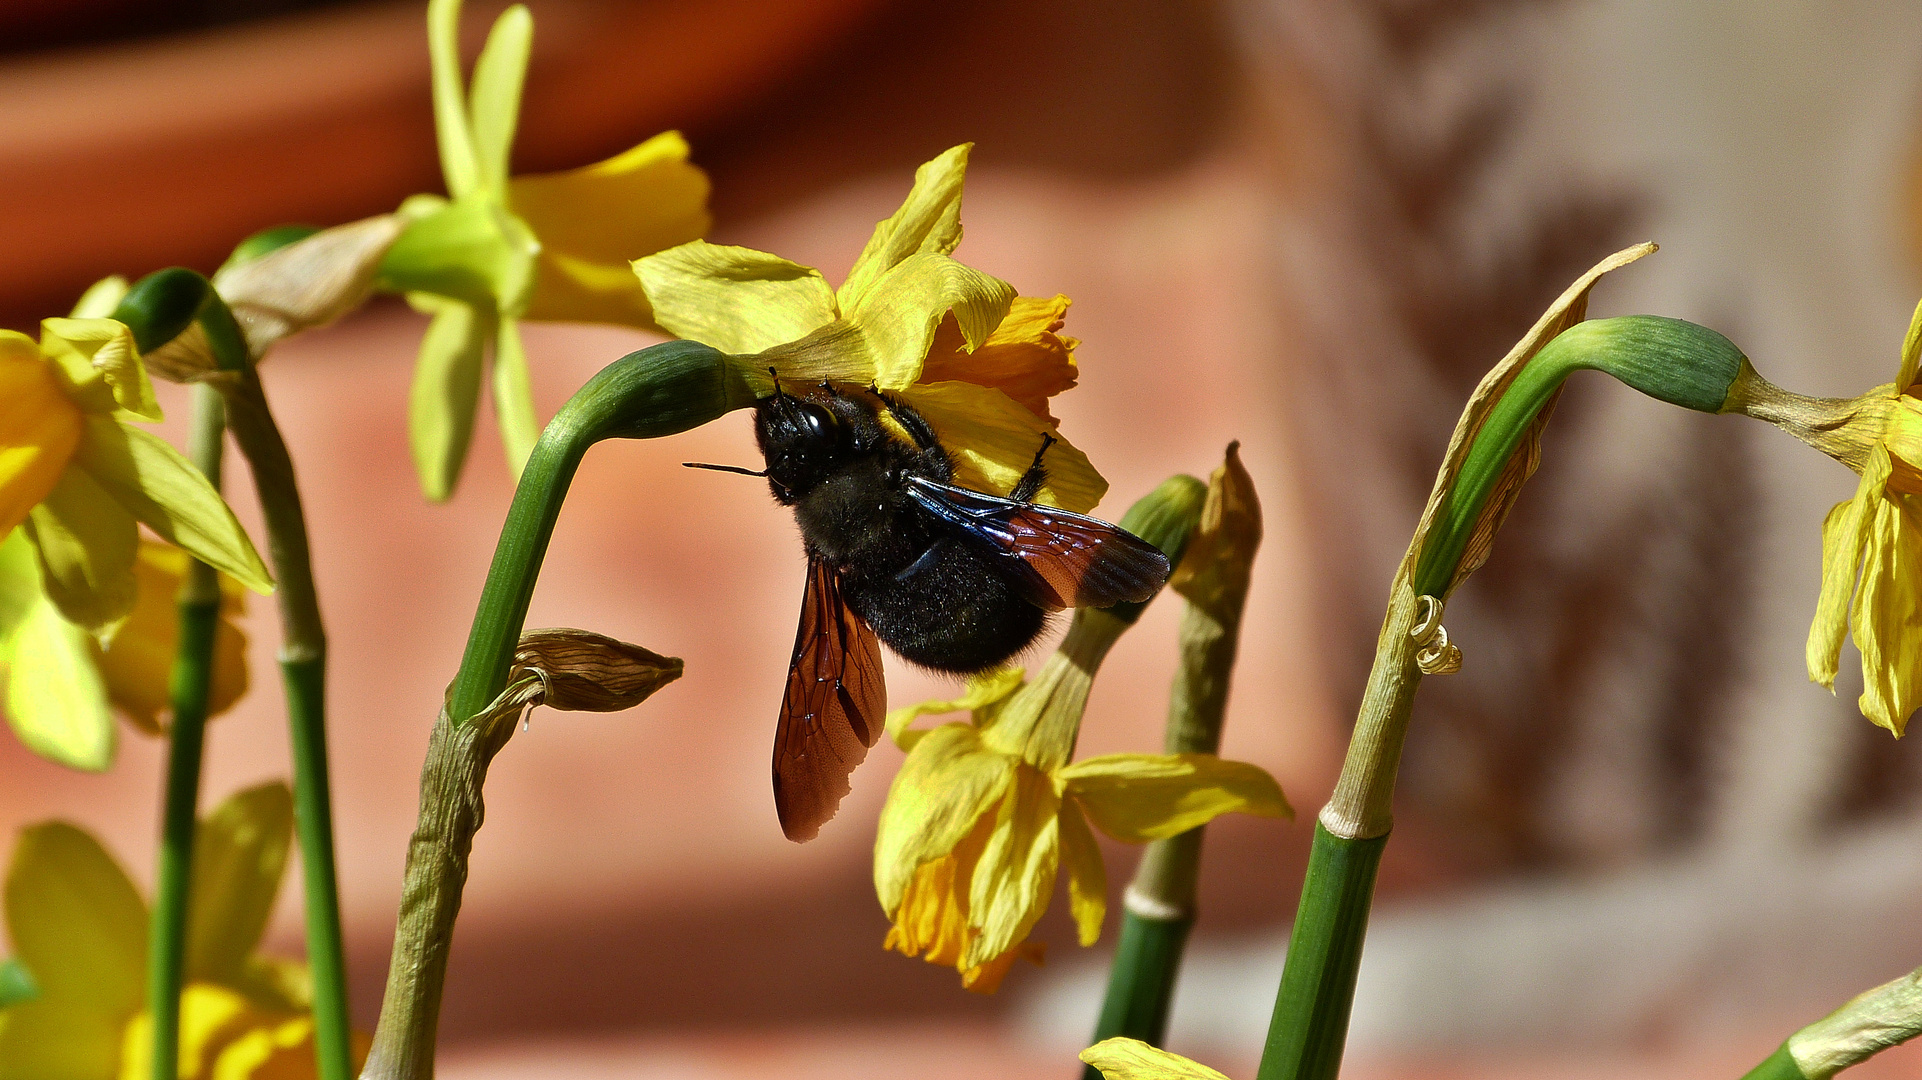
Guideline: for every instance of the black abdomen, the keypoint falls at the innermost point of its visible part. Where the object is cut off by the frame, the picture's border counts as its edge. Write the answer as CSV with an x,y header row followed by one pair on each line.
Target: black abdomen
x,y
950,610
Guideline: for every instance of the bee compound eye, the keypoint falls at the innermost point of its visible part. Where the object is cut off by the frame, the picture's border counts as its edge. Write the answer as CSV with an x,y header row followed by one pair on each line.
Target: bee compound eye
x,y
817,423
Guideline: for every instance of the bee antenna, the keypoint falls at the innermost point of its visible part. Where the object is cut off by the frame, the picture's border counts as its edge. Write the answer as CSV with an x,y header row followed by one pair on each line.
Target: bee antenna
x,y
724,468
772,374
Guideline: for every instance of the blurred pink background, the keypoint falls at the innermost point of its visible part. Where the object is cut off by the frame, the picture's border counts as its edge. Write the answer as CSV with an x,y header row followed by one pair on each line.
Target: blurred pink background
x,y
1267,214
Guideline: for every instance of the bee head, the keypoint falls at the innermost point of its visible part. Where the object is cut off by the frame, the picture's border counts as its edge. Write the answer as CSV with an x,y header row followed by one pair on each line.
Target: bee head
x,y
803,440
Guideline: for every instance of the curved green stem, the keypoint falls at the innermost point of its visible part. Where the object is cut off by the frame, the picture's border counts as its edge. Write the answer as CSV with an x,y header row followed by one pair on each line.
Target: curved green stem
x,y
192,683
152,310
1668,359
658,391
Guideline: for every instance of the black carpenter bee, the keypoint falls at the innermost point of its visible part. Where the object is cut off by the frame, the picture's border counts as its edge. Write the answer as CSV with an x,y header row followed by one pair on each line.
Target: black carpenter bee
x,y
951,579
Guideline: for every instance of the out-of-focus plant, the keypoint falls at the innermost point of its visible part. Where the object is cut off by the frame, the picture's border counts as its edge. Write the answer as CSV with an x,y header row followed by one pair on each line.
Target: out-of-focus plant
x,y
497,250
73,1001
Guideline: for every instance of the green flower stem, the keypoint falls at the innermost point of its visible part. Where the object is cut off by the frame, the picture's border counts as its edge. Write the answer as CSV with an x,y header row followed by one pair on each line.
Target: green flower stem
x,y
191,686
1777,1066
1159,905
1668,359
658,391
153,310
1871,1022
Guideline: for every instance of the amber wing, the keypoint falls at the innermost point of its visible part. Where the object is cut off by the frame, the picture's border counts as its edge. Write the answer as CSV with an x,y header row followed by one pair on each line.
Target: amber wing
x,y
1059,559
833,709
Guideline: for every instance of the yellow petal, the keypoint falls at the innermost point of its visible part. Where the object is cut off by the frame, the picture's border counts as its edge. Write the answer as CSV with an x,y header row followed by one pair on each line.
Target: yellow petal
x,y
1141,797
452,132
1087,876
59,1039
1887,615
947,783
138,663
931,921
736,299
240,852
86,543
168,495
494,106
986,978
982,690
1026,358
993,440
55,699
39,428
594,221
445,393
1132,1059
514,396
101,352
100,298
76,921
1911,352
1843,533
210,1018
898,314
1015,877
929,220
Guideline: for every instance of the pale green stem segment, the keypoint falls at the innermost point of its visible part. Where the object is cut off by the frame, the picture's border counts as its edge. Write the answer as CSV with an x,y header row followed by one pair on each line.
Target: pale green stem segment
x,y
658,391
1889,1015
190,688
1668,359
1159,905
153,310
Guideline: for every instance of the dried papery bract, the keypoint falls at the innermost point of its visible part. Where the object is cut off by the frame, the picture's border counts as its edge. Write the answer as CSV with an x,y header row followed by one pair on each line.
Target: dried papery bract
x,y
581,671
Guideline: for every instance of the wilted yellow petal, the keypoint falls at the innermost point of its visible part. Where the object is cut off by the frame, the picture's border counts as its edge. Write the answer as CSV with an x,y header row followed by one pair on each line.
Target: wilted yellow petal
x,y
1844,532
1887,615
167,494
138,663
985,978
1087,876
736,299
929,220
1911,352
947,783
76,921
86,542
898,314
932,918
594,221
1026,358
39,428
1142,797
982,690
1132,1059
1015,877
992,441
99,356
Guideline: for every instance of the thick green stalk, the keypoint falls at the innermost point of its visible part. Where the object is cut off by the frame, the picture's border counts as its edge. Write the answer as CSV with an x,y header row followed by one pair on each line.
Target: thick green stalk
x,y
1777,1066
1668,359
191,686
658,391
1159,905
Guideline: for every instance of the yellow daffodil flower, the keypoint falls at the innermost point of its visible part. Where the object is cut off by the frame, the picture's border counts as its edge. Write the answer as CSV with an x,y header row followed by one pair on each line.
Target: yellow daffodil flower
x,y
553,246
1872,548
60,682
956,344
983,814
1132,1059
79,929
77,476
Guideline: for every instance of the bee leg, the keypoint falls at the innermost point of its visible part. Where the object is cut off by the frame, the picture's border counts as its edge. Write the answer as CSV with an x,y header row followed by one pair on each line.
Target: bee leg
x,y
1037,474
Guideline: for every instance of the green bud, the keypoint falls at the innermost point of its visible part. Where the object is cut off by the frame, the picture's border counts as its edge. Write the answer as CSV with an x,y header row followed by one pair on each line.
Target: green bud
x,y
1667,359
161,305
1165,517
664,389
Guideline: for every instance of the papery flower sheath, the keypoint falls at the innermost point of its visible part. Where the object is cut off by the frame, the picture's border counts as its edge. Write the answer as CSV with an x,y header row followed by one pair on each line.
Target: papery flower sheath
x,y
79,929
984,814
958,345
77,475
553,246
